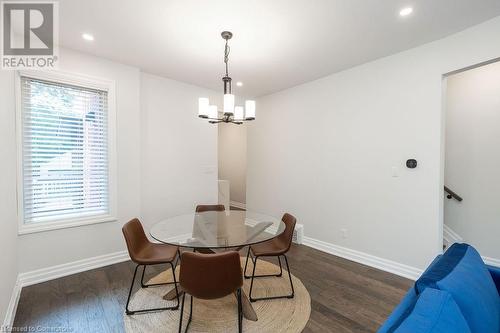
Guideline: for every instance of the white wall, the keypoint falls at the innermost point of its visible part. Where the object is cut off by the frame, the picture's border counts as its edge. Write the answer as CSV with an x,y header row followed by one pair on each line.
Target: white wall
x,y
179,150
8,205
324,150
40,250
233,159
473,157
177,153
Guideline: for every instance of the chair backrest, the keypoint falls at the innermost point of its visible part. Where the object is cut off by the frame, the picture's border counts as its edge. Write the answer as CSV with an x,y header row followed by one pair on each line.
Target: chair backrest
x,y
134,237
286,237
210,276
210,208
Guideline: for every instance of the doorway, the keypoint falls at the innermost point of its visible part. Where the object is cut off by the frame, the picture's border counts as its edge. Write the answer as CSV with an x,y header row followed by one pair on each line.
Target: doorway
x,y
472,159
232,160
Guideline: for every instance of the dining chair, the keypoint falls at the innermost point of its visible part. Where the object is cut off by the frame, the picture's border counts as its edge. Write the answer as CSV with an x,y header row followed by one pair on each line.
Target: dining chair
x,y
277,247
210,208
210,276
145,253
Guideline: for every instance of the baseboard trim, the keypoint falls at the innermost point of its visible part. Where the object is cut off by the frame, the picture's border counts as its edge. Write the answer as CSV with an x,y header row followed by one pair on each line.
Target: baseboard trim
x,y
54,272
364,258
491,261
238,204
12,308
451,236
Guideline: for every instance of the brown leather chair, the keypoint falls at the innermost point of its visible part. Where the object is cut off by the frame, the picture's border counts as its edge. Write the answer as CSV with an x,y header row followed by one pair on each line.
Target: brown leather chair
x,y
144,253
211,276
210,208
277,247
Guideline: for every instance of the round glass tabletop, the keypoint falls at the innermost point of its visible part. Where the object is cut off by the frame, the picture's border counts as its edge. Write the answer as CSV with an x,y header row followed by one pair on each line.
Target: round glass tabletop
x,y
213,230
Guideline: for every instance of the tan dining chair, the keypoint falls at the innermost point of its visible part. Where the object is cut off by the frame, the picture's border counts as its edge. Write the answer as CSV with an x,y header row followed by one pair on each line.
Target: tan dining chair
x,y
145,253
277,247
210,276
208,208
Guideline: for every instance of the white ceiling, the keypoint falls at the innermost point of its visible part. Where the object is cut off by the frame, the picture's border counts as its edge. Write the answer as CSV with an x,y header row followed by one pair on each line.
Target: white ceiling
x,y
277,43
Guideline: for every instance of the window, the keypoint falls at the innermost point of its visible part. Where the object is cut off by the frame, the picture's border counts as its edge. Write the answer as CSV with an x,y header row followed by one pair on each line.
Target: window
x,y
66,154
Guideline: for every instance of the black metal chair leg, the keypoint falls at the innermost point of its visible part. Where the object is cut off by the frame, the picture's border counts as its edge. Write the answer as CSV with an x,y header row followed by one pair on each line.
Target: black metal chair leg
x,y
182,312
143,285
246,263
175,285
131,312
265,275
251,282
289,277
190,313
130,292
240,312
271,297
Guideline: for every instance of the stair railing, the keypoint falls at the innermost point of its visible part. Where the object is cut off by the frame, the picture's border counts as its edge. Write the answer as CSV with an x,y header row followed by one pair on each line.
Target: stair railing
x,y
452,195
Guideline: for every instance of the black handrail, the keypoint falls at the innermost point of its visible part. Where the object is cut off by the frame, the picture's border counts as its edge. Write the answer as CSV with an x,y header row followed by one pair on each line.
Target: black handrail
x,y
452,194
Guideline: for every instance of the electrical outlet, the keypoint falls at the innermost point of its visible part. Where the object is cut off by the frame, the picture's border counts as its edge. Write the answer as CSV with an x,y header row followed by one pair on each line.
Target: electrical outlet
x,y
344,233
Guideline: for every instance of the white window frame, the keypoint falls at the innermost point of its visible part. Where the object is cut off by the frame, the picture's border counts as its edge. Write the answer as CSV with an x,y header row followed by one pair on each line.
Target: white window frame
x,y
80,81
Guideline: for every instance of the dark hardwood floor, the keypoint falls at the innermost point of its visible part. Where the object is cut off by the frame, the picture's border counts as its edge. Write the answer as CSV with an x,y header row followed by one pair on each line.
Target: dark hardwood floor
x,y
345,296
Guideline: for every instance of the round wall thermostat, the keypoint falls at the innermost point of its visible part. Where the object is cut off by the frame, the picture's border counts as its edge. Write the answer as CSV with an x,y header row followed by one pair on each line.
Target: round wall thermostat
x,y
411,164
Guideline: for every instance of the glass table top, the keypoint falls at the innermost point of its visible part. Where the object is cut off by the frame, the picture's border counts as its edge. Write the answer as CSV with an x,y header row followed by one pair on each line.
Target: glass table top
x,y
212,230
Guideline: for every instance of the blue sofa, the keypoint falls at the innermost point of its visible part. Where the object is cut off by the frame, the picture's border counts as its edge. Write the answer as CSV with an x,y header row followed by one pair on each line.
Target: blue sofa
x,y
457,293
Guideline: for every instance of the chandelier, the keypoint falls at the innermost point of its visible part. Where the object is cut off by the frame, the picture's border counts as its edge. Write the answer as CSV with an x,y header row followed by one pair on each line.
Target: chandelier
x,y
231,113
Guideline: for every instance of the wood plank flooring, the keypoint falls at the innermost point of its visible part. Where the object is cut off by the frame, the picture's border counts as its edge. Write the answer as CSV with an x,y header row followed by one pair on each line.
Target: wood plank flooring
x,y
345,296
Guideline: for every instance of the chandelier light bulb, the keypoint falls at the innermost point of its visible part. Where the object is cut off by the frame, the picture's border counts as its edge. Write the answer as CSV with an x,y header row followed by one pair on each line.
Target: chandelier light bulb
x,y
249,110
203,105
239,113
212,112
228,104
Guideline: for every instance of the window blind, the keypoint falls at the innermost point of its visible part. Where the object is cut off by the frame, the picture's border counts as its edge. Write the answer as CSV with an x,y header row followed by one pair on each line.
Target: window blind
x,y
64,151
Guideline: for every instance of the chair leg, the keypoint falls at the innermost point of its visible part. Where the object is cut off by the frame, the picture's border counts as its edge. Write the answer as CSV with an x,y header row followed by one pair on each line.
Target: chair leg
x,y
182,312
289,277
143,285
190,313
175,285
246,263
131,312
251,282
240,312
271,297
130,292
261,276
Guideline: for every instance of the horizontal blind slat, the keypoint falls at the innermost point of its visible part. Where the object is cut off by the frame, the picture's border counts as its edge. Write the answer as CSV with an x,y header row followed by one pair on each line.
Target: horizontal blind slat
x,y
65,150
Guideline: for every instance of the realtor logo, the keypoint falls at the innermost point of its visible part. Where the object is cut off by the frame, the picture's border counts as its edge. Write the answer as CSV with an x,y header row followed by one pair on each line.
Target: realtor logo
x,y
29,34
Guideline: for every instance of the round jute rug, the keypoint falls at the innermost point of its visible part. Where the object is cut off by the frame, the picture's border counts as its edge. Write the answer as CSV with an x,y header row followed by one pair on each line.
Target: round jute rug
x,y
279,315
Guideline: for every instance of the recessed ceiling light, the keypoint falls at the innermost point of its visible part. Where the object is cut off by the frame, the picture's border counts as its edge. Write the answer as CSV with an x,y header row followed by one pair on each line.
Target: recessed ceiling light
x,y
239,84
88,37
406,11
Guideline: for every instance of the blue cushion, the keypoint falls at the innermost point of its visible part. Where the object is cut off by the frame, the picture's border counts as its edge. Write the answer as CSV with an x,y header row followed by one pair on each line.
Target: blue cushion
x,y
462,273
403,310
434,312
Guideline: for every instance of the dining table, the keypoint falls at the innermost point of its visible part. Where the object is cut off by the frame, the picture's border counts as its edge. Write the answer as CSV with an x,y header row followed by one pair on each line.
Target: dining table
x,y
217,231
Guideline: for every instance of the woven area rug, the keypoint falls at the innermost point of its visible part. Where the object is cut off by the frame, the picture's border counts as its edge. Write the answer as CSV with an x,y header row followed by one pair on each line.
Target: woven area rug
x,y
280,315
